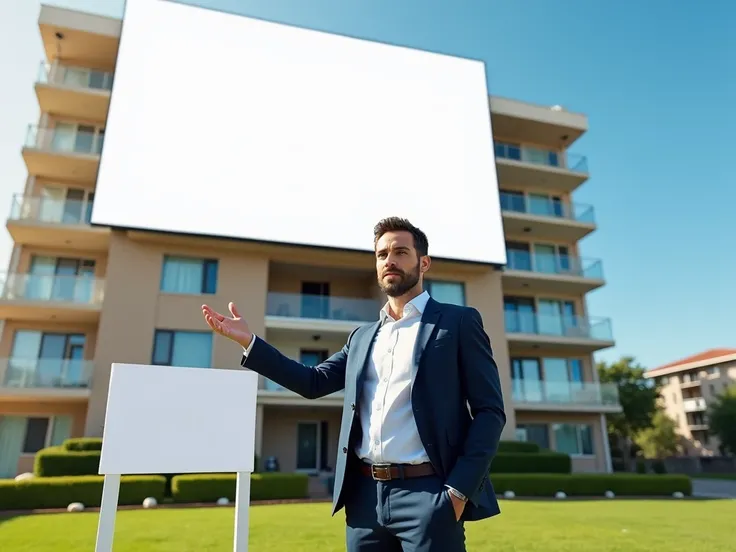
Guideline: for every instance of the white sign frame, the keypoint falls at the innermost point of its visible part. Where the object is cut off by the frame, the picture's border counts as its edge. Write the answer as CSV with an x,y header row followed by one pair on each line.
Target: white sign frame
x,y
144,433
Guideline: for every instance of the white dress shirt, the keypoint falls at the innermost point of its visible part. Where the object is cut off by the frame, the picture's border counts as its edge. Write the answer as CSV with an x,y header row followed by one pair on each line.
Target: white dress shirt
x,y
389,431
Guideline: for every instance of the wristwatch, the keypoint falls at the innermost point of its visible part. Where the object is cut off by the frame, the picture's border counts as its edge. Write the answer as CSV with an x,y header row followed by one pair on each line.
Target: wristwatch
x,y
457,494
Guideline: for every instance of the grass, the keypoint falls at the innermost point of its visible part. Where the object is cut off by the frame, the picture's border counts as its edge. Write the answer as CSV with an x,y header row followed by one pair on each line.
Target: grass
x,y
523,526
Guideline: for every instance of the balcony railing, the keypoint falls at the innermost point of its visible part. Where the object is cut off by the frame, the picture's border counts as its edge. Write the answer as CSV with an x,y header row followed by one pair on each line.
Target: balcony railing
x,y
574,393
696,404
80,290
51,210
560,326
547,263
48,373
547,207
76,77
538,156
65,139
295,305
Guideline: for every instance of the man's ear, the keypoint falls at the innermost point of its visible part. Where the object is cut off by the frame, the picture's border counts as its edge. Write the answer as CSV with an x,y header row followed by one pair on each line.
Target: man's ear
x,y
425,263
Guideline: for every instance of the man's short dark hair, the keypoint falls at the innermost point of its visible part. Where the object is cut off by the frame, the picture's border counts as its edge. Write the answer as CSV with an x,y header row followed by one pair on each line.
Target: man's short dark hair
x,y
398,224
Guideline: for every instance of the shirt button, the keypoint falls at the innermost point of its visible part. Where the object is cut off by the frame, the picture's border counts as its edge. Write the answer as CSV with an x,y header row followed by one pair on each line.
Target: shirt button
x,y
345,449
385,379
377,441
390,349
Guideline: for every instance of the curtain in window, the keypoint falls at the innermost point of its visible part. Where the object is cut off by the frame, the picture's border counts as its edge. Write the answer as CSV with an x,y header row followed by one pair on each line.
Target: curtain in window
x,y
566,439
61,430
182,275
192,349
12,436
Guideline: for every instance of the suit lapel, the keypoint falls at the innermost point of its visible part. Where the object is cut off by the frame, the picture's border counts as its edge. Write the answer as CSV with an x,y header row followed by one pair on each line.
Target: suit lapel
x,y
361,348
430,317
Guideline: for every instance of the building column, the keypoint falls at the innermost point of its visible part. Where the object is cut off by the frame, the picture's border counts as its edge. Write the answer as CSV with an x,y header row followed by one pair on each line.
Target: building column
x,y
606,445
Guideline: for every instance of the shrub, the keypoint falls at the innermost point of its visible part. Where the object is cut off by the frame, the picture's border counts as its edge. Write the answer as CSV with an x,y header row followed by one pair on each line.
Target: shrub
x,y
82,444
59,462
264,486
522,462
659,467
591,484
59,492
518,447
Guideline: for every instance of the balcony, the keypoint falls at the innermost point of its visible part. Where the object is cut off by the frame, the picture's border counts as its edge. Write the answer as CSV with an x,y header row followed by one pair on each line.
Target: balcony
x,y
564,334
63,152
546,272
696,404
543,217
59,298
55,223
45,378
299,312
74,92
565,396
272,393
539,168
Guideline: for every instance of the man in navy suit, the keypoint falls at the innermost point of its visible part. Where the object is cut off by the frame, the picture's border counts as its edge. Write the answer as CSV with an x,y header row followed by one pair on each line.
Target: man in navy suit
x,y
423,409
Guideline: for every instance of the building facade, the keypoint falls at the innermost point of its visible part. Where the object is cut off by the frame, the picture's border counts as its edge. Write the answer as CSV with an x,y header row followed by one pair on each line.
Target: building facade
x,y
77,298
688,388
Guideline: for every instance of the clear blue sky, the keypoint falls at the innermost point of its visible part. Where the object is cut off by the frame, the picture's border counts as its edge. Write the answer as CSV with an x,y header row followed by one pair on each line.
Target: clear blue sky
x,y
657,80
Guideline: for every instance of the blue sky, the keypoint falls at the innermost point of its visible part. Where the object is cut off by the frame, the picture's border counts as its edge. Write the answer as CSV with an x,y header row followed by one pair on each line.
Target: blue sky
x,y
655,78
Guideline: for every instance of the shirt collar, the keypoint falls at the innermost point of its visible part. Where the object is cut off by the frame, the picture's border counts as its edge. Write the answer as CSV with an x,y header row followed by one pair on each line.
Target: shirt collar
x,y
416,305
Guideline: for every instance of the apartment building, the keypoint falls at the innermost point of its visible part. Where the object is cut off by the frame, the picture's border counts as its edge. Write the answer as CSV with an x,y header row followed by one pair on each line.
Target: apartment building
x,y
689,386
77,298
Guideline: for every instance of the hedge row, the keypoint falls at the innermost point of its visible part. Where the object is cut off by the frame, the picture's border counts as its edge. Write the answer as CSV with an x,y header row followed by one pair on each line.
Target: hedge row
x,y
591,484
518,447
59,492
522,462
209,487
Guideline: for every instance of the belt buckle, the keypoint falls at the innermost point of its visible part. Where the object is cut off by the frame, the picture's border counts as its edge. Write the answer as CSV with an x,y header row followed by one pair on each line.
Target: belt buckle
x,y
384,469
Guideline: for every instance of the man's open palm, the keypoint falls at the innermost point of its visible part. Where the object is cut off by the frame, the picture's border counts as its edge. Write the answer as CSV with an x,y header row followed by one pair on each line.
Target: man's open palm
x,y
235,327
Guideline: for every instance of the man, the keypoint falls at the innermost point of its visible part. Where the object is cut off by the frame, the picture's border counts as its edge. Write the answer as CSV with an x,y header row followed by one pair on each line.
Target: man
x,y
413,461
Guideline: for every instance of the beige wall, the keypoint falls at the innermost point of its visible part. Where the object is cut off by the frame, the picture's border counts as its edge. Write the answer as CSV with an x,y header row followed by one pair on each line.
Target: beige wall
x,y
134,308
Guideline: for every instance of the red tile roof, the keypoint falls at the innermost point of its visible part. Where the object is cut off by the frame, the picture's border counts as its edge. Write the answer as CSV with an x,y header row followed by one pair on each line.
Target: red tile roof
x,y
705,355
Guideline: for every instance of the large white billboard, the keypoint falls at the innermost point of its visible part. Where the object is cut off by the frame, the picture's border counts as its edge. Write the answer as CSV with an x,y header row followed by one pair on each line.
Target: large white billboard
x,y
228,126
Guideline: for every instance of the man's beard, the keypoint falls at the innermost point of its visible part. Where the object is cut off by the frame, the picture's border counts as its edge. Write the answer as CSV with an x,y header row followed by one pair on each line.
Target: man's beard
x,y
404,283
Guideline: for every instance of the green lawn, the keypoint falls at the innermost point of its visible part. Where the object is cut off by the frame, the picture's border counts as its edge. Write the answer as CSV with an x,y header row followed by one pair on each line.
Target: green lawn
x,y
523,526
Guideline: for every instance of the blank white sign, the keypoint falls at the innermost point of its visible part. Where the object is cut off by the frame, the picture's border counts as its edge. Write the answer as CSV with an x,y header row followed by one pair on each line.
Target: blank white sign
x,y
223,125
169,419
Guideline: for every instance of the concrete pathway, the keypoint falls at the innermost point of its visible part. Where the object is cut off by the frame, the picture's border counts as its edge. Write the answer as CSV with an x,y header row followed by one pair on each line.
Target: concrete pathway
x,y
714,488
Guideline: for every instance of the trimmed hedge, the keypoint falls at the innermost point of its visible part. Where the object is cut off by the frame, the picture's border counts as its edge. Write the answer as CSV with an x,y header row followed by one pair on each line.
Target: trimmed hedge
x,y
518,447
591,484
82,444
59,462
263,486
59,492
524,462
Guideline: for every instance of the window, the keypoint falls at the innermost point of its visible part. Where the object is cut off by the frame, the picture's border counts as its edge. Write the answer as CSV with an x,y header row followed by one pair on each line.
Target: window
x,y
44,359
512,201
182,348
189,275
573,439
312,357
526,378
446,292
44,432
534,433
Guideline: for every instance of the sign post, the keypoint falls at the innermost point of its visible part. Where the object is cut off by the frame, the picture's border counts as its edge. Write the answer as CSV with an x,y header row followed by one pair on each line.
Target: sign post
x,y
168,419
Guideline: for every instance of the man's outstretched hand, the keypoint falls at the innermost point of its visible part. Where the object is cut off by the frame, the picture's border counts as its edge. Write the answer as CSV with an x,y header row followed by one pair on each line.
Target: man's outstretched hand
x,y
235,327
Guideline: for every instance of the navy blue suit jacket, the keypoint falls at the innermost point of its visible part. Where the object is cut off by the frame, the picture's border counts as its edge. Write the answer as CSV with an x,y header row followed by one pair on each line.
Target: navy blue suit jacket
x,y
455,370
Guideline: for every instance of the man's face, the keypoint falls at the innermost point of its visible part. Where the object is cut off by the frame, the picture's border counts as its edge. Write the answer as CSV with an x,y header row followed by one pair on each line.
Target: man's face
x,y
398,266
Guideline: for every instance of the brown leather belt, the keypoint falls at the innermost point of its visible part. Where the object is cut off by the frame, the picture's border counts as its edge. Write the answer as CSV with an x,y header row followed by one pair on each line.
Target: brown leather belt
x,y
387,472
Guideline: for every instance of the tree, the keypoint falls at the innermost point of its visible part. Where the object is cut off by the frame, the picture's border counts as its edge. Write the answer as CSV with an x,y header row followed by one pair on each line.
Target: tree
x,y
722,419
638,397
660,440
